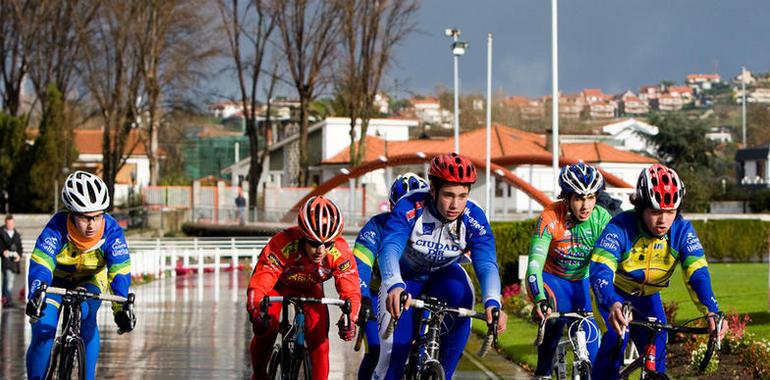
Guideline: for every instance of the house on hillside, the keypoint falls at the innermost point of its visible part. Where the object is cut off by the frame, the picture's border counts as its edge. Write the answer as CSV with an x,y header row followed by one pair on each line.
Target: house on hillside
x,y
529,109
428,110
702,82
629,134
630,104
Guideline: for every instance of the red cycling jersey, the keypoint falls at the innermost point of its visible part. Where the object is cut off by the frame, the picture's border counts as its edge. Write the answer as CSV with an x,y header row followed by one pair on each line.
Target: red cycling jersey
x,y
284,269
283,264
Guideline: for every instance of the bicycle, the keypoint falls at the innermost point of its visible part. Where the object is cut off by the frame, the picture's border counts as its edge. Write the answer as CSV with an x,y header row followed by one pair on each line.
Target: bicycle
x,y
68,351
423,363
646,360
292,353
581,363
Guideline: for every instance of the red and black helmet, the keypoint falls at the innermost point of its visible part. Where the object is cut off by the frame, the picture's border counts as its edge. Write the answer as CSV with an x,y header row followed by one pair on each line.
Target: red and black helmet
x,y
320,220
453,167
660,188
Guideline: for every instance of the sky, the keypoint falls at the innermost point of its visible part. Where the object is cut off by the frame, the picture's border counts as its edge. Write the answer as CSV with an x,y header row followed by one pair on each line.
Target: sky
x,y
614,45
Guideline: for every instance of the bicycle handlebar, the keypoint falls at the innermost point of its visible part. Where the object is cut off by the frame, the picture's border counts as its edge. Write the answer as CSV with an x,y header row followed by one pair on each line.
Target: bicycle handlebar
x,y
394,320
556,315
344,305
82,293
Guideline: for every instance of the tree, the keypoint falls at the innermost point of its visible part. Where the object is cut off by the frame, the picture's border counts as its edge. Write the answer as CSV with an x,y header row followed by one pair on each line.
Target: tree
x,y
681,143
370,31
11,144
174,35
13,52
254,24
309,31
47,162
757,123
111,73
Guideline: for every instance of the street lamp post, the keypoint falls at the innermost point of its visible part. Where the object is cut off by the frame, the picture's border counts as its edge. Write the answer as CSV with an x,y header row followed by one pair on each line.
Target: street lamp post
x,y
458,49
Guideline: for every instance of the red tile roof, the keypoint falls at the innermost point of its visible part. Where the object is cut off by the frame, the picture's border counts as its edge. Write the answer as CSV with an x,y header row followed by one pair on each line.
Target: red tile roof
x,y
89,141
703,76
426,100
680,89
505,141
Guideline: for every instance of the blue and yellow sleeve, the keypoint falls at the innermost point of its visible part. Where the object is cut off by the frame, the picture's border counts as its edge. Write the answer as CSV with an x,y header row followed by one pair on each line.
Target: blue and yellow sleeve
x,y
604,262
365,250
118,259
43,261
695,267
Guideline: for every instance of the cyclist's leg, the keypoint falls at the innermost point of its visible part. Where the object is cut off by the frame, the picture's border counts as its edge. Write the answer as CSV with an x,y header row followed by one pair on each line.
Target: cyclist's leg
x,y
650,306
608,359
453,286
394,351
43,334
317,336
372,341
262,345
582,299
558,292
89,331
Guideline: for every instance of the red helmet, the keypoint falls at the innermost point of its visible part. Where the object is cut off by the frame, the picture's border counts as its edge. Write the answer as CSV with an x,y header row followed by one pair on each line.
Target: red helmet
x,y
660,188
453,168
320,220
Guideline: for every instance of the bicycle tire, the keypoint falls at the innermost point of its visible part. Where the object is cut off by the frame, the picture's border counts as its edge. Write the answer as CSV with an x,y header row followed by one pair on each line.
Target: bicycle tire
x,y
583,371
433,371
72,358
301,368
53,361
274,364
656,376
710,347
626,371
411,372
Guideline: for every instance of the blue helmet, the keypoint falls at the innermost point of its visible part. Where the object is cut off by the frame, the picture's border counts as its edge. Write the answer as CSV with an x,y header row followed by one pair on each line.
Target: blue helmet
x,y
580,179
404,184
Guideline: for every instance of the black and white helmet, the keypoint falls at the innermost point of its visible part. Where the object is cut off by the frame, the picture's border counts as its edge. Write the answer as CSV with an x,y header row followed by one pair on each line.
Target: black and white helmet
x,y
84,192
581,179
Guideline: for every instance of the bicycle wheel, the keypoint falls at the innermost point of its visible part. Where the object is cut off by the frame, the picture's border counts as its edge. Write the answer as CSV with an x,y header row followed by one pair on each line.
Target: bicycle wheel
x,y
583,371
72,364
433,371
53,361
301,369
656,376
411,365
274,364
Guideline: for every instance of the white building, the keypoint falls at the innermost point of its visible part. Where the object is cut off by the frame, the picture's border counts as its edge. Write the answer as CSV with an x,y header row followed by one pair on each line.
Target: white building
x,y
629,134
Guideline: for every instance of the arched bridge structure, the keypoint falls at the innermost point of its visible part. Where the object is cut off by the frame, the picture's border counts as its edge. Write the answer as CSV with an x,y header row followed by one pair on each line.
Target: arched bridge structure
x,y
498,168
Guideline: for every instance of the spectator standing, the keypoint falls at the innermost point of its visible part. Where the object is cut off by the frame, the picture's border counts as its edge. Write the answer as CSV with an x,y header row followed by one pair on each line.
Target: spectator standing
x,y
240,204
10,247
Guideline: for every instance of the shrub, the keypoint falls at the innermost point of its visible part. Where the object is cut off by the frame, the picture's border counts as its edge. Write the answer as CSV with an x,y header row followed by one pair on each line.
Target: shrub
x,y
733,239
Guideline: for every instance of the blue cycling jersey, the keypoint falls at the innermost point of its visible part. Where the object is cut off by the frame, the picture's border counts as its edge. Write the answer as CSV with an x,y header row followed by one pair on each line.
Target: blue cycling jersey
x,y
365,250
418,241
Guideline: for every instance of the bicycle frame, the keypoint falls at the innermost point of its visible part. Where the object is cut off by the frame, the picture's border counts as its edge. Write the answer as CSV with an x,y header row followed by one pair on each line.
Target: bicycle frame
x,y
577,340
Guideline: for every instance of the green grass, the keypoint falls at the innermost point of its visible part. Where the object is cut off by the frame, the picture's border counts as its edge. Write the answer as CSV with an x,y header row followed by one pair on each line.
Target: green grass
x,y
740,288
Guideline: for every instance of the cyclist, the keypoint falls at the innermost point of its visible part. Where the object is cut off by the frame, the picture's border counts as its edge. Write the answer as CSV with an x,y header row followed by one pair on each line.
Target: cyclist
x,y
296,262
634,259
366,247
82,247
557,274
424,242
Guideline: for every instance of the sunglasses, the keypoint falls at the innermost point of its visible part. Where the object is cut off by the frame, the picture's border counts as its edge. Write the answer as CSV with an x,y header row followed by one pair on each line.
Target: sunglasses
x,y
86,218
316,244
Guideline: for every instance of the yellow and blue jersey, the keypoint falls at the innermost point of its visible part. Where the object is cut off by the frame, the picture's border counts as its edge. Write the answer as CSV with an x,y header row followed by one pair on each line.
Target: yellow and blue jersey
x,y
629,258
365,250
57,262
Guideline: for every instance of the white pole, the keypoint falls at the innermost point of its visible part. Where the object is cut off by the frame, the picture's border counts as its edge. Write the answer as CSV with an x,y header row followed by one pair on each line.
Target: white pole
x,y
743,104
457,102
233,175
488,188
555,93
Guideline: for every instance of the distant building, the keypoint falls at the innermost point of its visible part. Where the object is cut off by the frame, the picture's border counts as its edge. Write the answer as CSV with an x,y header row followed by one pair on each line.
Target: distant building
x,y
757,95
226,109
630,104
684,92
702,81
629,135
428,110
753,170
669,102
720,134
382,103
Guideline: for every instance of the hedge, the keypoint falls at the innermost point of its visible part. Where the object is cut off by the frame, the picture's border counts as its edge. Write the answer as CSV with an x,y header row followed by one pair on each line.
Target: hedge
x,y
735,240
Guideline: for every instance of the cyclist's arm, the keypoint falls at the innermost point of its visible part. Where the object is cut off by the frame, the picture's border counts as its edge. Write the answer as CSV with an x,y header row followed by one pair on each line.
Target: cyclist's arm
x,y
395,236
43,260
364,250
538,252
346,277
266,273
118,260
695,269
481,243
604,262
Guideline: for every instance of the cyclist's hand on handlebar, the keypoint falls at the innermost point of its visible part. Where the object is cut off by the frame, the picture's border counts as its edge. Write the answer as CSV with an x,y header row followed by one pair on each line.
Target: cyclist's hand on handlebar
x,y
616,318
542,310
501,320
125,317
347,329
712,317
393,303
36,304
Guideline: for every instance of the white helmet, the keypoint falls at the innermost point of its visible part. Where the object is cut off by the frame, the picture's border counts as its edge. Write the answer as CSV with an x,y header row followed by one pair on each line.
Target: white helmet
x,y
84,192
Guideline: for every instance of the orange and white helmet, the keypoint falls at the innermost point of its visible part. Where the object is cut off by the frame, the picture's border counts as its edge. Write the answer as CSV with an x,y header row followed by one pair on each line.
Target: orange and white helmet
x,y
320,220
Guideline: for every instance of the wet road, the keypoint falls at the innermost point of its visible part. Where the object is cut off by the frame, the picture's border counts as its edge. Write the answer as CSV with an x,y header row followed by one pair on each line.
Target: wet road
x,y
191,327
